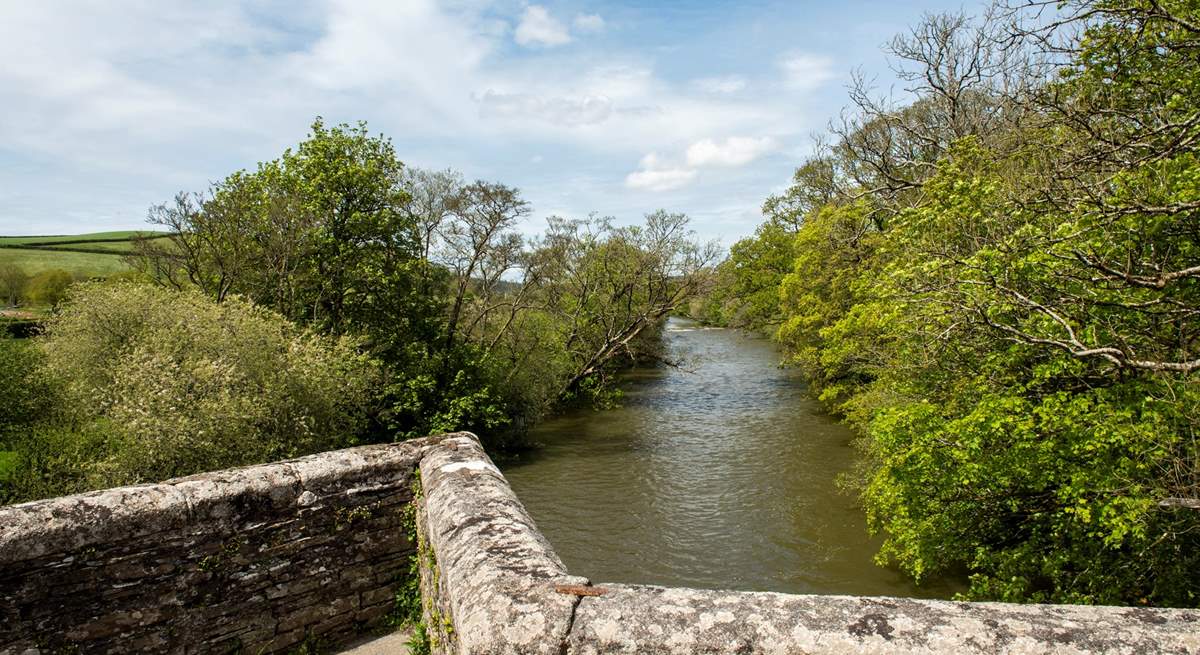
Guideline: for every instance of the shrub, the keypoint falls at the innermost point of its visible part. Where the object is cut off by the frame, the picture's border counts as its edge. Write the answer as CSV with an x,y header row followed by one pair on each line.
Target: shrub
x,y
26,397
179,384
25,400
49,287
55,459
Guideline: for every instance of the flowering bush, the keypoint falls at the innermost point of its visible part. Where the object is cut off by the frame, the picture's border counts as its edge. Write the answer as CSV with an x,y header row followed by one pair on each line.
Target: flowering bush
x,y
182,384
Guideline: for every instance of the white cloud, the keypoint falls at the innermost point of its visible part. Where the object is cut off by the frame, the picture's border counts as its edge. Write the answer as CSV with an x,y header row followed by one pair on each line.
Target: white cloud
x,y
664,180
806,72
734,151
539,28
722,85
113,107
656,176
589,23
568,111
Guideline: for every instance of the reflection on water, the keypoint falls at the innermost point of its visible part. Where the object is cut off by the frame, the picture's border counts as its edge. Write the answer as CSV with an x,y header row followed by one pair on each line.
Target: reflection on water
x,y
719,476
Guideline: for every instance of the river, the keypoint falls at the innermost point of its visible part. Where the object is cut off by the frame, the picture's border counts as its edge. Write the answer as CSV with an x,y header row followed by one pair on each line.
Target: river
x,y
722,475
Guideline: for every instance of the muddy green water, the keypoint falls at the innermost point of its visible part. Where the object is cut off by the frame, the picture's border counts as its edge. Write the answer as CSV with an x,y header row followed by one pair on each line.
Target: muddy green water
x,y
721,476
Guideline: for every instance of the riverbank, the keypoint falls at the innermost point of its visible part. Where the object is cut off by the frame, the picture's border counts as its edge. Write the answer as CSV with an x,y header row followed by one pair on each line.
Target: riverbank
x,y
719,474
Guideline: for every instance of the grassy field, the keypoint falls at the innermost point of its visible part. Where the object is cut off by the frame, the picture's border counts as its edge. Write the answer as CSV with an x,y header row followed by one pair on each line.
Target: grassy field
x,y
68,252
79,264
74,238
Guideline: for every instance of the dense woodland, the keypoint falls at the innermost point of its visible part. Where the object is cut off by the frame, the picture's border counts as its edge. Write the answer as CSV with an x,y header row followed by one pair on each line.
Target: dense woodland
x,y
993,273
995,277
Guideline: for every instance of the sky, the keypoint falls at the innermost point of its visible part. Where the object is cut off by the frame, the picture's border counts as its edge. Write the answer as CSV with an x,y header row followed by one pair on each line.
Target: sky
x,y
614,107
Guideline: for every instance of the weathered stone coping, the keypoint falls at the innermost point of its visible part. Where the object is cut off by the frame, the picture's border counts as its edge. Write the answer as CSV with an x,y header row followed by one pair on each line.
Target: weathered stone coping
x,y
33,529
259,559
502,585
497,574
264,558
640,619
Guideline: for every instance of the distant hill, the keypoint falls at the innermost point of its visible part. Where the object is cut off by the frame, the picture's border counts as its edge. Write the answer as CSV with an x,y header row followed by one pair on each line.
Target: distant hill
x,y
96,254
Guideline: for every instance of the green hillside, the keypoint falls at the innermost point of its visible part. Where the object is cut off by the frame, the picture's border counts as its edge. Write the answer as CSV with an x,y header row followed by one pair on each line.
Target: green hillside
x,y
79,264
63,239
95,254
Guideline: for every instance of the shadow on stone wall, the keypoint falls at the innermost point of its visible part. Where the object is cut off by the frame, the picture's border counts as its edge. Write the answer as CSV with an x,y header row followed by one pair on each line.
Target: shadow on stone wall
x,y
268,558
259,559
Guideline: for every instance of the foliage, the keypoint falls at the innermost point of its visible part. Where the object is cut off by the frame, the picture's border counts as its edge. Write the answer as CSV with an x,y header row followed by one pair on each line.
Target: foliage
x,y
835,253
29,404
1041,471
8,464
27,395
746,289
13,283
583,300
56,458
318,235
998,285
606,286
477,326
323,235
156,384
49,287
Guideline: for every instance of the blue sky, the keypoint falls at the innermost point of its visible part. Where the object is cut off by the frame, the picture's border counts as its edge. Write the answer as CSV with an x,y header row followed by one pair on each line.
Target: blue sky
x,y
618,108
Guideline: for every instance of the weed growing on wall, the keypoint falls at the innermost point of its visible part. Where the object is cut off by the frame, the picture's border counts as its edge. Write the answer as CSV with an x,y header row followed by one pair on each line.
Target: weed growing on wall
x,y
406,614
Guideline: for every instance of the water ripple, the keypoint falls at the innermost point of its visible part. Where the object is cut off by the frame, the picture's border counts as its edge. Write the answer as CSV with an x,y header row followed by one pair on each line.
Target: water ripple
x,y
720,476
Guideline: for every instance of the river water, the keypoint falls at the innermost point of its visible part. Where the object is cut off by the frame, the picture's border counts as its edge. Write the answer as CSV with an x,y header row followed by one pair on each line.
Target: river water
x,y
721,475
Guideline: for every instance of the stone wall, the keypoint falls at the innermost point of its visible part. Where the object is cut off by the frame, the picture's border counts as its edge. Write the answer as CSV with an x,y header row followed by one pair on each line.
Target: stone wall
x,y
492,584
489,577
312,551
255,560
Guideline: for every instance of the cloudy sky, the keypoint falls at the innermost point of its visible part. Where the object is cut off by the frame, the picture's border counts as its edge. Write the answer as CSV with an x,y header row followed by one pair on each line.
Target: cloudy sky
x,y
617,107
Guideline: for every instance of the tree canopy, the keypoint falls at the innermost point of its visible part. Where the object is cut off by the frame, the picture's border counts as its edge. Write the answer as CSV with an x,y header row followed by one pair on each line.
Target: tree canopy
x,y
997,284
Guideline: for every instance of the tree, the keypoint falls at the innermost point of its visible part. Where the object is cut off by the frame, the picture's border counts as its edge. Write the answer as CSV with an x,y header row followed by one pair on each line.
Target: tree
x,y
49,287
13,283
479,246
1060,331
745,293
815,184
996,284
477,327
321,235
606,285
27,395
1122,190
837,249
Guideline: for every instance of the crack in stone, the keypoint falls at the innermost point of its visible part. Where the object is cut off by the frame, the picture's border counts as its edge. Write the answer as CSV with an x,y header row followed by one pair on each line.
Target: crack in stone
x,y
566,640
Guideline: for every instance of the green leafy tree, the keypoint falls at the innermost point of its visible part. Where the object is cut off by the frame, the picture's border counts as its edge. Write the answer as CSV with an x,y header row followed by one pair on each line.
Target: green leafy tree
x,y
13,283
837,254
609,286
746,290
28,398
321,235
1000,292
49,287
1048,475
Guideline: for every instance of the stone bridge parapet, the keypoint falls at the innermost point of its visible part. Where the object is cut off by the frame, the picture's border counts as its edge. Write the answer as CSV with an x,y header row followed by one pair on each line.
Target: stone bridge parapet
x,y
311,552
505,591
